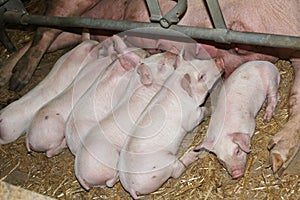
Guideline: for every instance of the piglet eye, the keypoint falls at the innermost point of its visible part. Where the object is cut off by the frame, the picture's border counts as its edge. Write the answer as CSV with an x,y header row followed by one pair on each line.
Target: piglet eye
x,y
238,151
201,77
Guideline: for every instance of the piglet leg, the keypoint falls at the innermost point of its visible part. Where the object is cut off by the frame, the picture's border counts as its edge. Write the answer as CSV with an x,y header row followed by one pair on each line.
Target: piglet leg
x,y
285,144
183,162
272,98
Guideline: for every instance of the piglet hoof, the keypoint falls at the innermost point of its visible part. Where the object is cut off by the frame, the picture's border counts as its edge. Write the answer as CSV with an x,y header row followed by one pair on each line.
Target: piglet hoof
x,y
189,158
56,150
270,111
53,152
268,116
113,181
83,183
28,145
134,194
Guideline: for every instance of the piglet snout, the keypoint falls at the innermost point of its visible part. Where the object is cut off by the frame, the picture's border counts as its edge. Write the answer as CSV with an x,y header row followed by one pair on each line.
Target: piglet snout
x,y
237,173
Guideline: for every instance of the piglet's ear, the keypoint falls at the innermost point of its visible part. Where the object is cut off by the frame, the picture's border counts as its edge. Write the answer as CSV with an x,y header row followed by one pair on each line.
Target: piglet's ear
x,y
185,83
207,144
119,44
242,140
127,57
179,59
129,60
145,74
174,50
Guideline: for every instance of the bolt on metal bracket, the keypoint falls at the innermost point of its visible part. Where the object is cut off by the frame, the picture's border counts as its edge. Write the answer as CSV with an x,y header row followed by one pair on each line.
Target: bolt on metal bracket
x,y
172,17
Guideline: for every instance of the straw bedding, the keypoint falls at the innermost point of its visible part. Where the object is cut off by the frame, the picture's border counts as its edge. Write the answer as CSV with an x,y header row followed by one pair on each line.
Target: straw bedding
x,y
204,179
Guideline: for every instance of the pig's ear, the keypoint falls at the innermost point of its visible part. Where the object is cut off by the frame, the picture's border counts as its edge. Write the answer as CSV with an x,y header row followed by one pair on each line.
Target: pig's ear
x,y
145,74
129,60
174,50
242,140
119,44
185,83
179,59
207,144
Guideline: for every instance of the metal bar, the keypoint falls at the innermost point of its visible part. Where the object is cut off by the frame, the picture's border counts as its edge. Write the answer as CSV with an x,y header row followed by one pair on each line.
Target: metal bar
x,y
3,35
217,35
3,2
215,13
173,16
155,12
6,41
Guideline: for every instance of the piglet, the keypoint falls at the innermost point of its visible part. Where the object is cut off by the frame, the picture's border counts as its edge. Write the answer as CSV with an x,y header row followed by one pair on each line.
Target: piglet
x,y
148,157
233,122
97,157
46,132
102,96
16,117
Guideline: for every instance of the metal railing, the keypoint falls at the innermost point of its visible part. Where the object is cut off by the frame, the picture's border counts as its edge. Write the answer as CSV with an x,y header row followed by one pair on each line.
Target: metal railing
x,y
219,34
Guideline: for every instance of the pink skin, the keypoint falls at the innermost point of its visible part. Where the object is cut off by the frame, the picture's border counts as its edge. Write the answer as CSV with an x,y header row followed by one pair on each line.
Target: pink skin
x,y
105,93
46,132
97,157
16,117
233,122
148,158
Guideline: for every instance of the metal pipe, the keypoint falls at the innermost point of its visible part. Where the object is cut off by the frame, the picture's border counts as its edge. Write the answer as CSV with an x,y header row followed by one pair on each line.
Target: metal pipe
x,y
215,13
173,16
217,35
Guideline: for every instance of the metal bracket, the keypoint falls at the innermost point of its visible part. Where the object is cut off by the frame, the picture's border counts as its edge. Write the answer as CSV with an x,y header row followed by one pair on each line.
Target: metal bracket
x,y
155,12
172,17
216,13
8,5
